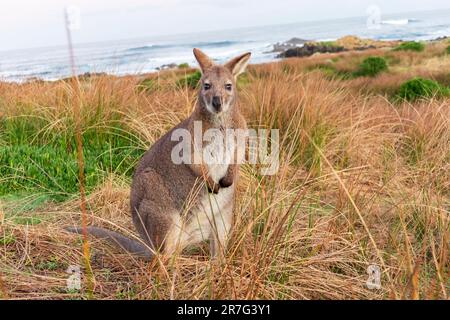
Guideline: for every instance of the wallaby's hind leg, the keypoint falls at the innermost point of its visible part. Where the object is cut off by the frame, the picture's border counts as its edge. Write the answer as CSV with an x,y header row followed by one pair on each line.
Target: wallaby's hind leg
x,y
152,217
164,229
152,225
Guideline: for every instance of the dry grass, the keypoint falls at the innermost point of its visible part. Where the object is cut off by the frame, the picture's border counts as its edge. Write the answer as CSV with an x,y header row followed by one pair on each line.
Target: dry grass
x,y
362,181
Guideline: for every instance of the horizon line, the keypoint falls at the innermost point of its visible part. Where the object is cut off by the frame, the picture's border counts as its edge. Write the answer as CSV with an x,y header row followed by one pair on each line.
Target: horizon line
x,y
87,43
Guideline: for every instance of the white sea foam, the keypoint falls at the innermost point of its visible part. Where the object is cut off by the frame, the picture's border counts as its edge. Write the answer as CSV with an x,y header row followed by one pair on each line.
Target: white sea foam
x,y
396,22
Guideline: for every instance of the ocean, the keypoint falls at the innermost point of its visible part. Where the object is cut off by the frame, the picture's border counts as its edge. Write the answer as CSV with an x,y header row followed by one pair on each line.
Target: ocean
x,y
138,56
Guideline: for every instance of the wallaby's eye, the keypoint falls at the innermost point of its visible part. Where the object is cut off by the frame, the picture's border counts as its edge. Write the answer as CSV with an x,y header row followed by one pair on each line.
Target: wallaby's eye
x,y
206,86
229,86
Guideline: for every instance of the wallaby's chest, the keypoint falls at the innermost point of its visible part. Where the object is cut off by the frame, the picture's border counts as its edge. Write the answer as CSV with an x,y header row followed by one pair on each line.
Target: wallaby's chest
x,y
218,151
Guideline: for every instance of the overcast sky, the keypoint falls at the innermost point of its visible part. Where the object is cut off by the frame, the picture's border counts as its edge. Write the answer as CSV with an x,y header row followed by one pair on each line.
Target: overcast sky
x,y
38,23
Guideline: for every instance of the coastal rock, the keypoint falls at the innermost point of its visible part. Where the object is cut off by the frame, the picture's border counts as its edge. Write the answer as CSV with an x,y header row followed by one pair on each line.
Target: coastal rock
x,y
439,39
88,75
292,43
346,43
167,66
309,49
35,80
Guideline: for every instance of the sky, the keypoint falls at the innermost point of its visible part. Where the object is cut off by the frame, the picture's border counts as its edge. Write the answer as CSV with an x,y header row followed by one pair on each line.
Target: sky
x,y
40,23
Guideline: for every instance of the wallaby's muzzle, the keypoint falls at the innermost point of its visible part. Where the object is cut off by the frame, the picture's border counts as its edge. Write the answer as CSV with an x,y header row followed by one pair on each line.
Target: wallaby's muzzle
x,y
217,103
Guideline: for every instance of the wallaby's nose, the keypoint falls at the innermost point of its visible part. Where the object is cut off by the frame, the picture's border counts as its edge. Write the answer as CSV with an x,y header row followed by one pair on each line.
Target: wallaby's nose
x,y
217,103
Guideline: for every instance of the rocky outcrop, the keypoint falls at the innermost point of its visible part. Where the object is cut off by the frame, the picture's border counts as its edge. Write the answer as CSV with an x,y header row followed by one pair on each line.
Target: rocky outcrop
x,y
309,49
167,66
290,44
346,43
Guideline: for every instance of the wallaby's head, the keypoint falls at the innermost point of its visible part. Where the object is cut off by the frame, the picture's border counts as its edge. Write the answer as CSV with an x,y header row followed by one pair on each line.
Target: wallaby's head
x,y
218,83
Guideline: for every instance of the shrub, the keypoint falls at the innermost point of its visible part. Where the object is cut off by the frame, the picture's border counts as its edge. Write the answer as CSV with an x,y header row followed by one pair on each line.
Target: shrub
x,y
372,66
183,65
410,46
448,50
190,81
328,44
418,88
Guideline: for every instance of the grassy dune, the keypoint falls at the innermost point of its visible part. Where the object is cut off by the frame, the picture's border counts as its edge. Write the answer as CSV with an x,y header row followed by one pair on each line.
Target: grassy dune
x,y
364,179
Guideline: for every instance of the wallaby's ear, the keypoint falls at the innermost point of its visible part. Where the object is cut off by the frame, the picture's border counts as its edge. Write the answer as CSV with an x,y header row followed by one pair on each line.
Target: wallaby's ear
x,y
238,64
203,60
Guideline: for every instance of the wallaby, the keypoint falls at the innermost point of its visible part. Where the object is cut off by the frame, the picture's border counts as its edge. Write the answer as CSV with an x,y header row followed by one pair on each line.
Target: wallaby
x,y
177,205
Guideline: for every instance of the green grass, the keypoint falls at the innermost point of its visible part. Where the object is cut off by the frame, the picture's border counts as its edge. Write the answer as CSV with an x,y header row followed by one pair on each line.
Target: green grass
x,y
7,239
190,81
328,43
447,50
312,159
327,69
414,150
126,292
243,80
33,162
31,221
410,46
418,88
50,265
372,66
331,72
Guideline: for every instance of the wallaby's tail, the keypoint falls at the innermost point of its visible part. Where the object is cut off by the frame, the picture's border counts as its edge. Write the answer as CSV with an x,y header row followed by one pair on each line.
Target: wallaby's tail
x,y
130,245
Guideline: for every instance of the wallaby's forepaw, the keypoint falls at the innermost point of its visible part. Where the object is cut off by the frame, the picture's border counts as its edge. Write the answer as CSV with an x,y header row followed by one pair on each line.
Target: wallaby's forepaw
x,y
226,182
213,188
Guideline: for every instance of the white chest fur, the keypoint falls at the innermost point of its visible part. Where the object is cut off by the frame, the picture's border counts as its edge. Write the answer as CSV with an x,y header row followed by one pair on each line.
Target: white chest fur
x,y
212,216
213,213
218,152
